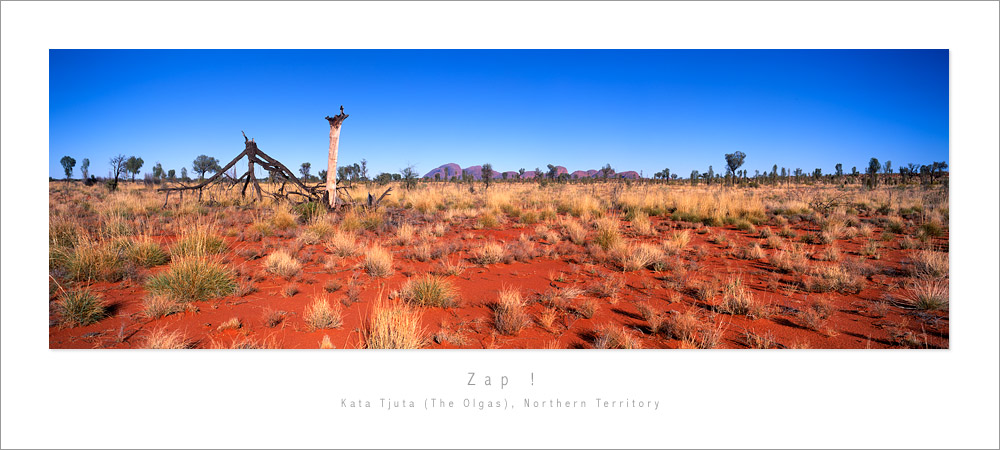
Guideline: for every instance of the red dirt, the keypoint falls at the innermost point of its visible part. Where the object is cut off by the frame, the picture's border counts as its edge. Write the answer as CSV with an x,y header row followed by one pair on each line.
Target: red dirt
x,y
854,323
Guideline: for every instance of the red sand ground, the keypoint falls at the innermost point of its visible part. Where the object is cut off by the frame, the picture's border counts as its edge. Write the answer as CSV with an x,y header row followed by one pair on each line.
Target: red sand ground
x,y
855,323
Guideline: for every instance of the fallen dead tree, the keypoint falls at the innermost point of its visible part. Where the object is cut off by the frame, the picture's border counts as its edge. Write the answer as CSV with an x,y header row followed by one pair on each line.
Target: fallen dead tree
x,y
255,156
292,188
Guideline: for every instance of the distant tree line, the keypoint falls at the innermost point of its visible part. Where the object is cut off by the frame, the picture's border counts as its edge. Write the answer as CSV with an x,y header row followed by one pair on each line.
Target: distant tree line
x,y
877,173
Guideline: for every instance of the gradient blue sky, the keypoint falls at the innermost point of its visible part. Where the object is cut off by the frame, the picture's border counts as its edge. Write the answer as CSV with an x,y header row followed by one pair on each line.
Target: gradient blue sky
x,y
635,109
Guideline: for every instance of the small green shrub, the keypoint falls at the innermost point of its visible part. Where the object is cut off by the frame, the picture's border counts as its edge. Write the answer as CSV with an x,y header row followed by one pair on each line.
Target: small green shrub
x,y
193,279
80,307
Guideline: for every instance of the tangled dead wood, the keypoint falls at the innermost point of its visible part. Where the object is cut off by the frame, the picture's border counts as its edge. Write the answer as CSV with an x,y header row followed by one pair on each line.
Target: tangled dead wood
x,y
291,189
255,156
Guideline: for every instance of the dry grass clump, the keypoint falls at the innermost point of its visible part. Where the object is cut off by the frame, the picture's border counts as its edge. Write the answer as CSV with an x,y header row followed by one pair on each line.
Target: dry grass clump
x,y
608,235
641,224
309,237
282,263
786,232
193,279
872,249
691,331
587,308
321,315
831,253
421,252
90,260
199,241
908,243
332,286
608,287
652,316
925,294
161,339
614,337
394,326
489,253
759,341
834,278
509,316
429,290
343,244
683,326
404,234
282,218
377,261
290,290
814,316
320,227
257,230
156,306
789,261
930,264
705,290
752,252
574,232
720,238
635,257
272,318
449,267
775,242
931,229
547,318
233,323
145,252
79,307
487,220
64,233
678,241
738,300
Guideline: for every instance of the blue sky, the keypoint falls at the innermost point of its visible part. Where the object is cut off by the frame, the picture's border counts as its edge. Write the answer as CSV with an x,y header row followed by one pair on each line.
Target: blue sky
x,y
635,109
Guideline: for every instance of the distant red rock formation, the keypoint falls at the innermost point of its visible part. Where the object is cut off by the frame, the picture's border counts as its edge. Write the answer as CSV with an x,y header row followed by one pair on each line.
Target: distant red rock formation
x,y
449,170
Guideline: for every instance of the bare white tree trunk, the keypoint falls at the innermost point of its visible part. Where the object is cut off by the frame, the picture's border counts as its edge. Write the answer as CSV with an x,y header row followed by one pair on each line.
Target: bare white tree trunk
x,y
331,170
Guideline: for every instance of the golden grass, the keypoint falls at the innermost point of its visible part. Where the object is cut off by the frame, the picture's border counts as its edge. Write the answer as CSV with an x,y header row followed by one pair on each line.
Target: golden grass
x,y
377,261
509,316
574,232
930,264
404,234
282,218
282,264
615,337
193,279
161,339
489,253
321,315
343,244
636,256
925,294
234,323
79,307
200,240
429,290
158,305
145,252
738,300
394,326
678,241
834,278
90,260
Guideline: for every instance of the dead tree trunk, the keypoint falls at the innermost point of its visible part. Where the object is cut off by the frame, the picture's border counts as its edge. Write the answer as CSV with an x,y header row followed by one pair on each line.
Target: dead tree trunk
x,y
331,169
